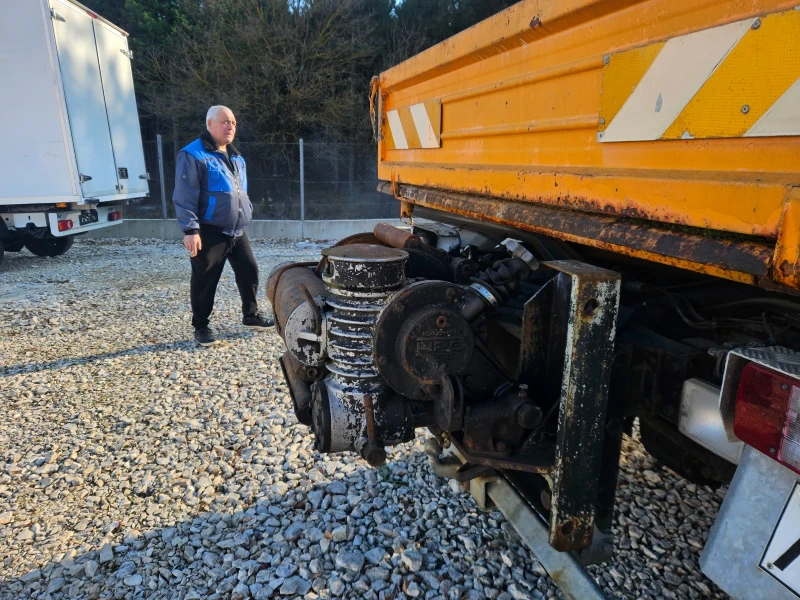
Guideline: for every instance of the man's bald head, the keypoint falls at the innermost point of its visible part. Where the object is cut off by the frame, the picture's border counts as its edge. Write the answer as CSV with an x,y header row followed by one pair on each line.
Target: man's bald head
x,y
221,124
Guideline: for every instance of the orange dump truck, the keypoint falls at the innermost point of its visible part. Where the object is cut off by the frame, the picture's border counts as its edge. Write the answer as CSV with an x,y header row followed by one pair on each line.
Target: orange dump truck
x,y
605,228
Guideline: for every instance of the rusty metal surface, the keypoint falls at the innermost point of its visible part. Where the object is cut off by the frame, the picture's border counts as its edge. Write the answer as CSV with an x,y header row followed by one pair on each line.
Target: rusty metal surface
x,y
420,337
739,259
592,302
299,387
366,237
361,267
287,296
397,238
787,250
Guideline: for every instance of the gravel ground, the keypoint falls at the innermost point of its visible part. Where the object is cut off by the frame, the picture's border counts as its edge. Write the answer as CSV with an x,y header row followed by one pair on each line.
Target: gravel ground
x,y
134,464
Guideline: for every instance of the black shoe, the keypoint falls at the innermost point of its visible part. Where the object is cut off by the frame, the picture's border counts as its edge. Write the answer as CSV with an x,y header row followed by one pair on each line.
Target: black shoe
x,y
258,321
205,337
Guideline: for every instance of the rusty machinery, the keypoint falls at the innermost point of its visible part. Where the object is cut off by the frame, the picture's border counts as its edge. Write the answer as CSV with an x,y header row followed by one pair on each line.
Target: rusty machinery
x,y
507,359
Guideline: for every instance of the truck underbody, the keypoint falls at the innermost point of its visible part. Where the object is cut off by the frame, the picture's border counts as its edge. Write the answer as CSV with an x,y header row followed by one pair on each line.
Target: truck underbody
x,y
526,357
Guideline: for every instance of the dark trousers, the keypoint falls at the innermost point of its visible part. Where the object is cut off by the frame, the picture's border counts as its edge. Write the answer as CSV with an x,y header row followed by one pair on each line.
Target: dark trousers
x,y
207,268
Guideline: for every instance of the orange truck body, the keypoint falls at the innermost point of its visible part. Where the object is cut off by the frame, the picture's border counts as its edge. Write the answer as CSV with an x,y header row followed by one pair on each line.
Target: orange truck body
x,y
667,130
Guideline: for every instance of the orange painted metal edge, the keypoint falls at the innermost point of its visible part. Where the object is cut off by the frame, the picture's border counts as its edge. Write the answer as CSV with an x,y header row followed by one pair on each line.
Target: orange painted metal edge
x,y
757,255
787,250
715,202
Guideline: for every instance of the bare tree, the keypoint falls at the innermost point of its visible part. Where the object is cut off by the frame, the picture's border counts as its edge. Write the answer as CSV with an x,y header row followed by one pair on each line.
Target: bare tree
x,y
287,68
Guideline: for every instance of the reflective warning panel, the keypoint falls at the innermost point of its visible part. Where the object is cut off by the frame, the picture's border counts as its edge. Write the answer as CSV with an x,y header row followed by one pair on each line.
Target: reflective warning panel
x,y
736,80
417,126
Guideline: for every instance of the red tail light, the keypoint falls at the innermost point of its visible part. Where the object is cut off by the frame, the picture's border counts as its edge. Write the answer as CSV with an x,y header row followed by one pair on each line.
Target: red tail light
x,y
767,414
65,225
115,216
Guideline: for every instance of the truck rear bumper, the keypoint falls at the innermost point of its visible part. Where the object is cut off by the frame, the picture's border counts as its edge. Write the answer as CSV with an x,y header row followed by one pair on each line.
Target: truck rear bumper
x,y
104,219
37,220
736,547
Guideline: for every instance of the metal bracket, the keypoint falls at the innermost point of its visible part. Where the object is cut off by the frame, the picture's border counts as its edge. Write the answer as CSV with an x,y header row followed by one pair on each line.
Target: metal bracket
x,y
84,178
128,53
55,16
585,302
145,176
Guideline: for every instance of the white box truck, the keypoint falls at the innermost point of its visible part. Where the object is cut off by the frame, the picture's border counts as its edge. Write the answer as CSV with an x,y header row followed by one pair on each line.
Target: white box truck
x,y
72,151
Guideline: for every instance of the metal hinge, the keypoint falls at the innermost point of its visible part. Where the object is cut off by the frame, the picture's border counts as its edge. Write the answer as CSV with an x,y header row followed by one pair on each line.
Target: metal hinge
x,y
84,178
54,15
145,176
128,53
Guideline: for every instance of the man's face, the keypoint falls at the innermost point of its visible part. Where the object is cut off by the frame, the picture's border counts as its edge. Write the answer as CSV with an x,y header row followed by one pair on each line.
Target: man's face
x,y
223,127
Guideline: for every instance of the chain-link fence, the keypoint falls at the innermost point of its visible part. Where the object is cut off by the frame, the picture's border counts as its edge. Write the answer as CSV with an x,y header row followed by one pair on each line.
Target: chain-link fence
x,y
312,181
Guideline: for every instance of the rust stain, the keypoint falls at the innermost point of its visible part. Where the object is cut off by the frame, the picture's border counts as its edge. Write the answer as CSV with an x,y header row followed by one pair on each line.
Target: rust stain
x,y
536,22
735,257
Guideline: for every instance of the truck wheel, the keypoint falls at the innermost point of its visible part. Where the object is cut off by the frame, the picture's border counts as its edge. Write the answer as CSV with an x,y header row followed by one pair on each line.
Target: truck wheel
x,y
14,246
2,251
50,246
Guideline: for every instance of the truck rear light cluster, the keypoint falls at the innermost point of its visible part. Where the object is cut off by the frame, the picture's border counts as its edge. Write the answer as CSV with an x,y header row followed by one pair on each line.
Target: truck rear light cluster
x,y
115,216
767,415
65,225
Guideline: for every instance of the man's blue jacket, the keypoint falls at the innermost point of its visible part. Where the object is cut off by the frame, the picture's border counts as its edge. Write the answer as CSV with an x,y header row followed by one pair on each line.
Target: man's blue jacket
x,y
211,189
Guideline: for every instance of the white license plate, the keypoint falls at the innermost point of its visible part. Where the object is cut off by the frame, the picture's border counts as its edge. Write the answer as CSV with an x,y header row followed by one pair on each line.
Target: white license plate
x,y
782,556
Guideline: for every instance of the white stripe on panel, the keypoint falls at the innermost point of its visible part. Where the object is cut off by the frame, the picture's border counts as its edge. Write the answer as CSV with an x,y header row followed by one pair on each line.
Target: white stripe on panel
x,y
782,118
396,126
422,122
681,68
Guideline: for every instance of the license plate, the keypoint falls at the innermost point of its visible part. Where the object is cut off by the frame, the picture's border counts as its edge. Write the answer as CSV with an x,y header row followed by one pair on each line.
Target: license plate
x,y
88,216
782,555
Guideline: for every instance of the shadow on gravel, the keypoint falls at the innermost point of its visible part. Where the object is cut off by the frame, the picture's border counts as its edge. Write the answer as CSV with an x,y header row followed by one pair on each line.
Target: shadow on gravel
x,y
289,542
188,345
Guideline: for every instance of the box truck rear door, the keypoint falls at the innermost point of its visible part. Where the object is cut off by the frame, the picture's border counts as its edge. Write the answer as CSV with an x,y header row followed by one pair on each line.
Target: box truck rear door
x,y
123,119
86,107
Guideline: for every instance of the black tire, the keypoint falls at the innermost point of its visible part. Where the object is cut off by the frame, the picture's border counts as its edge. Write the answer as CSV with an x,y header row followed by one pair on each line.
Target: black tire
x,y
14,246
2,251
49,246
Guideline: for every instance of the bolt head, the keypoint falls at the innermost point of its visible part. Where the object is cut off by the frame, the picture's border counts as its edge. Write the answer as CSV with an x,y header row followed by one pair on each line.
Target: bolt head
x,y
383,361
399,307
745,109
756,24
529,415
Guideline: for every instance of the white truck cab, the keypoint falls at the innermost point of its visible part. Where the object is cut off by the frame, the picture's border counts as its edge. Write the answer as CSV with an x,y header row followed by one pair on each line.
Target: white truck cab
x,y
72,151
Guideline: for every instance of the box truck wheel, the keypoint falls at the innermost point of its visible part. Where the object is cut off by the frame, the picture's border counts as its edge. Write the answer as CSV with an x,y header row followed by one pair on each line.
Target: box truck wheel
x,y
49,246
14,246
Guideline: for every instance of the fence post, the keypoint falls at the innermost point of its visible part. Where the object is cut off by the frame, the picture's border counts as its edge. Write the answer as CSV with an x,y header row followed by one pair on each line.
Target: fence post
x,y
302,192
161,177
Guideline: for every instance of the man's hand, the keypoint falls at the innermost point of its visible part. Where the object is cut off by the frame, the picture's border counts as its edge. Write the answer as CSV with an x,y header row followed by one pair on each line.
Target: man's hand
x,y
192,243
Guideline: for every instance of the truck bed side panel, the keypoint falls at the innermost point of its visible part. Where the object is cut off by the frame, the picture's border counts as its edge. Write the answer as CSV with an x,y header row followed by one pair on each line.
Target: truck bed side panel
x,y
525,97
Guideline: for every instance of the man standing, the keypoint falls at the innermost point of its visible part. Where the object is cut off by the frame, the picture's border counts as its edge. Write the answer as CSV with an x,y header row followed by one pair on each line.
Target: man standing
x,y
213,209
